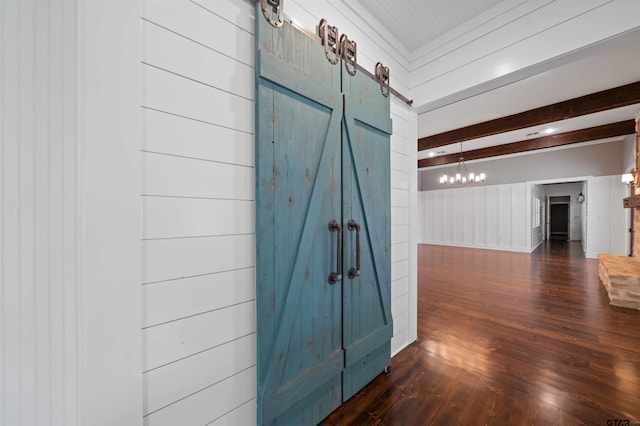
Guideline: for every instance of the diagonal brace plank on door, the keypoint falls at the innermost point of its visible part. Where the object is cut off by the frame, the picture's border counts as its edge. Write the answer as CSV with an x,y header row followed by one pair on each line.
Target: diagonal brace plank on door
x,y
276,363
350,125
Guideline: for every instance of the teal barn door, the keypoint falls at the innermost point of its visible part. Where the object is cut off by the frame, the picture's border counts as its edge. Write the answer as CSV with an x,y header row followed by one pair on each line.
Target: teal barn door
x,y
298,193
318,331
367,322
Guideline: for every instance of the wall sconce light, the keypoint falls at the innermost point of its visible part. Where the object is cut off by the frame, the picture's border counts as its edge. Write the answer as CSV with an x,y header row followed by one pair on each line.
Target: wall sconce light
x,y
580,198
629,178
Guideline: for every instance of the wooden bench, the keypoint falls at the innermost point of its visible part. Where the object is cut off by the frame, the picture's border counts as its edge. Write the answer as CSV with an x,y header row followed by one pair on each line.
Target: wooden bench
x,y
620,275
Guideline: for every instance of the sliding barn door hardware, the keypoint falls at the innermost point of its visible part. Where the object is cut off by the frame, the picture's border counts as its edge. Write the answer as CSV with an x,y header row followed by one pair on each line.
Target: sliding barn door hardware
x,y
272,10
382,76
348,48
329,39
332,46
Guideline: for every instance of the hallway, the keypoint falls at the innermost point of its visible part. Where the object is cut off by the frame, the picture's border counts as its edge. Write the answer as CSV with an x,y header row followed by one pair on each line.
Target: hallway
x,y
509,338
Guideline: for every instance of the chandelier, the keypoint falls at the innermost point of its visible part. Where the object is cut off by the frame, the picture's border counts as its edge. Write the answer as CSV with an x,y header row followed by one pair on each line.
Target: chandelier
x,y
463,175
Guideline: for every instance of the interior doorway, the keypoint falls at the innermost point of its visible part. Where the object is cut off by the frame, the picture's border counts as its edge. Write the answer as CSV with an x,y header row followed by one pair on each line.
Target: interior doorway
x,y
559,218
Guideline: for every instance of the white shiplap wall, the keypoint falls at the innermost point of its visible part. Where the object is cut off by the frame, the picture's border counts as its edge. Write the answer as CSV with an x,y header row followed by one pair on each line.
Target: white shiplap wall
x,y
39,298
491,217
199,211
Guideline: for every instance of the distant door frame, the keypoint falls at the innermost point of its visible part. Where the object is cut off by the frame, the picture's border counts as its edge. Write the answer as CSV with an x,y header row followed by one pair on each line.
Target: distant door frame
x,y
551,203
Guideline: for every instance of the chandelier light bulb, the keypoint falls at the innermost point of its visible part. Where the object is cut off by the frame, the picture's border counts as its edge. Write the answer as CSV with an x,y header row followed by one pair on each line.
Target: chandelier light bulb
x,y
463,175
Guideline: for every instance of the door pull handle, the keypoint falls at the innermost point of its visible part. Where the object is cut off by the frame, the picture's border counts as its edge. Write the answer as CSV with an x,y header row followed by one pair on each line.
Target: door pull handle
x,y
355,272
334,277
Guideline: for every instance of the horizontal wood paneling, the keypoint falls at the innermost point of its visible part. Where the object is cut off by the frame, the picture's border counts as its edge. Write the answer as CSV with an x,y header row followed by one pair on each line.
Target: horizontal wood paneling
x,y
188,19
211,404
195,61
170,134
181,339
400,251
400,215
233,12
399,161
399,198
399,270
169,175
168,92
400,125
199,212
399,287
400,179
484,217
184,297
244,414
170,259
165,386
400,304
170,217
399,234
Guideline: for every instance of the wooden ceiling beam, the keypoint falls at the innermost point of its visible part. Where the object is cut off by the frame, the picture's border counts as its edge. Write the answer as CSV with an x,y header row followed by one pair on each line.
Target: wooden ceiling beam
x,y
620,128
600,101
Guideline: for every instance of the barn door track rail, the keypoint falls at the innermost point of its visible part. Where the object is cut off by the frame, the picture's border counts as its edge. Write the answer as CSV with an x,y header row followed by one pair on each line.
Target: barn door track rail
x,y
336,47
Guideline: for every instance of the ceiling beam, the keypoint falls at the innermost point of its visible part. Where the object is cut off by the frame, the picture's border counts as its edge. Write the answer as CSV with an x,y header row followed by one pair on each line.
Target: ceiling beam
x,y
600,101
620,128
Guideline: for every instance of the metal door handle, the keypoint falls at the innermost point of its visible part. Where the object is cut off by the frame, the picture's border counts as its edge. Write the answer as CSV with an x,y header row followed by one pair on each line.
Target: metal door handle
x,y
334,277
351,225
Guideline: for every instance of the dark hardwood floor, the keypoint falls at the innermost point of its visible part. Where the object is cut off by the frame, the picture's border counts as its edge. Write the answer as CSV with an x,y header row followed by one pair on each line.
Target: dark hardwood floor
x,y
508,339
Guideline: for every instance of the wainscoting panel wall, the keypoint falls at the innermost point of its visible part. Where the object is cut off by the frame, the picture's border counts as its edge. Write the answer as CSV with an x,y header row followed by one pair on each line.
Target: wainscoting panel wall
x,y
607,221
492,217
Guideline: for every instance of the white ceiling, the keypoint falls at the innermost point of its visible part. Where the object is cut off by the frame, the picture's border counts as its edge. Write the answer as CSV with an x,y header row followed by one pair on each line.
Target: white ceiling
x,y
606,65
417,22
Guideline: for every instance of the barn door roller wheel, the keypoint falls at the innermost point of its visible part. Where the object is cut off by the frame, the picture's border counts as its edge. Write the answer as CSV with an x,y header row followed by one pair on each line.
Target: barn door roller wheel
x,y
272,10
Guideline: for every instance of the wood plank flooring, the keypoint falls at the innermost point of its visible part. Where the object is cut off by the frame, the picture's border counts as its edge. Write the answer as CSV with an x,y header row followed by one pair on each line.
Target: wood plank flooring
x,y
508,339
